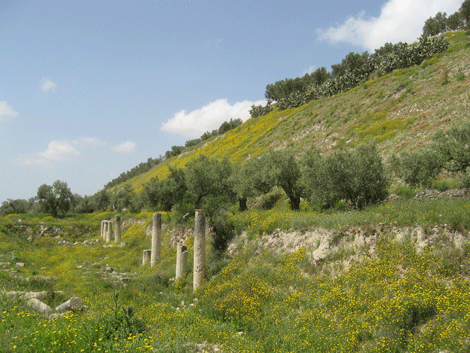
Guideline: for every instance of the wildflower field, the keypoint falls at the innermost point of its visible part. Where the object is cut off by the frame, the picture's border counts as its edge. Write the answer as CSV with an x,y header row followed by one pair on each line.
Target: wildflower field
x,y
385,295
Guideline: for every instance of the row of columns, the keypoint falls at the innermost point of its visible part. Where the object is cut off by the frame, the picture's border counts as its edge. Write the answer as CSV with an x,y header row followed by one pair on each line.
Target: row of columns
x,y
107,229
153,254
199,262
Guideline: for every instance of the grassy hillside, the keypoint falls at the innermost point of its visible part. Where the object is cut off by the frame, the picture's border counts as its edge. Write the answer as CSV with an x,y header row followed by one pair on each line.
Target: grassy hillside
x,y
400,111
393,277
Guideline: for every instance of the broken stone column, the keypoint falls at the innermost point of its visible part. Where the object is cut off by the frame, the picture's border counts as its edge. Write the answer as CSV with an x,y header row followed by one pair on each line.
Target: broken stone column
x,y
181,260
199,248
39,305
71,304
156,238
146,256
110,230
117,228
102,229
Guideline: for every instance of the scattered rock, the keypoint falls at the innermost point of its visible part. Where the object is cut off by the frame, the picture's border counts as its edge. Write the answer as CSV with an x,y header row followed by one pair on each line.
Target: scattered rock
x,y
19,264
30,295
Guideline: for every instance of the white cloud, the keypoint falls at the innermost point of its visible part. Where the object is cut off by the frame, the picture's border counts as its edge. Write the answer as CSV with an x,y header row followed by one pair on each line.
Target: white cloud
x,y
208,118
59,151
311,69
125,147
399,20
86,142
6,110
47,84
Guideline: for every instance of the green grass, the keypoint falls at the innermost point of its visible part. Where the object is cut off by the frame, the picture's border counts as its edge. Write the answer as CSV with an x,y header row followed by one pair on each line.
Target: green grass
x,y
256,300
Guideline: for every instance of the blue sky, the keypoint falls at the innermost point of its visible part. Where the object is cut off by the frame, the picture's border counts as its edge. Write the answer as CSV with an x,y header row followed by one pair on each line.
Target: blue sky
x,y
90,89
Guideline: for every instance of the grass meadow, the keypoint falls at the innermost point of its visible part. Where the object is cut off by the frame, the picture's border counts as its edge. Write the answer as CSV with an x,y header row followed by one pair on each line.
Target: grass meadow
x,y
396,298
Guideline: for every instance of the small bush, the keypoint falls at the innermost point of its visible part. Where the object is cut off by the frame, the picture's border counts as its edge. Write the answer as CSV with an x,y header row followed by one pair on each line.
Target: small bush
x,y
259,110
224,231
465,178
416,168
453,147
122,320
405,191
268,201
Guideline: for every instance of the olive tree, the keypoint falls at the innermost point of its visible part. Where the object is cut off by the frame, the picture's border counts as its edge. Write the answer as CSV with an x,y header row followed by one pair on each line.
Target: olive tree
x,y
208,176
416,167
357,176
55,200
286,173
17,206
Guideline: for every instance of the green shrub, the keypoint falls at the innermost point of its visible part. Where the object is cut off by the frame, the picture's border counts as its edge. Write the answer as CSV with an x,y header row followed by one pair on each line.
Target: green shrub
x,y
356,176
465,178
416,168
268,201
222,226
453,146
405,191
259,110
121,321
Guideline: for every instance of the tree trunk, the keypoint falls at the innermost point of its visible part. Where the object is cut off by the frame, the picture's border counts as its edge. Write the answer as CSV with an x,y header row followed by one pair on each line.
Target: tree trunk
x,y
242,204
294,203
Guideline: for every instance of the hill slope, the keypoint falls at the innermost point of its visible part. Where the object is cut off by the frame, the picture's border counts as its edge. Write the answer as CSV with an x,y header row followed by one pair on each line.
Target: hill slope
x,y
399,111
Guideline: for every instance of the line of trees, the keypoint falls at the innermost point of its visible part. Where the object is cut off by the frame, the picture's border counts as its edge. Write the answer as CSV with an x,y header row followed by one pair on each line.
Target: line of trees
x,y
355,68
441,23
175,151
358,176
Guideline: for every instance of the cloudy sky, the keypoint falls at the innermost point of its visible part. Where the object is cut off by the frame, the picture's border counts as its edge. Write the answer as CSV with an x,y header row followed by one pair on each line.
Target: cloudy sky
x,y
90,89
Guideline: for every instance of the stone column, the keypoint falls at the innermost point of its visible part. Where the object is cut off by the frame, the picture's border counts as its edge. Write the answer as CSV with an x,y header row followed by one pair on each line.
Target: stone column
x,y
105,230
109,232
199,248
102,228
146,256
181,260
117,228
156,238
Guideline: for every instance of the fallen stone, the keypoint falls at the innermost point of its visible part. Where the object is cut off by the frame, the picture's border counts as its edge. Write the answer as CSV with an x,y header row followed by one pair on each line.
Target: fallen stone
x,y
4,264
73,304
39,305
19,264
